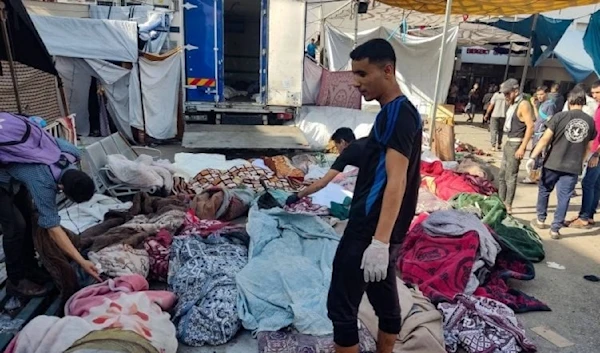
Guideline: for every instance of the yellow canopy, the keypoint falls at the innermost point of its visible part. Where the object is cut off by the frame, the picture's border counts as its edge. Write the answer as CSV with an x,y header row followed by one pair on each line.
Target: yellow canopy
x,y
488,7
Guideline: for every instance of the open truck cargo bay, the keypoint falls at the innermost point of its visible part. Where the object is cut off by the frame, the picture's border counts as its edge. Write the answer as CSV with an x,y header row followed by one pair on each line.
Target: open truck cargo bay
x,y
243,57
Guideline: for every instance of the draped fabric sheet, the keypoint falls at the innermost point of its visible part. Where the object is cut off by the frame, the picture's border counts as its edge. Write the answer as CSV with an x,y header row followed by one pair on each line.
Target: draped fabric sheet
x,y
416,64
591,40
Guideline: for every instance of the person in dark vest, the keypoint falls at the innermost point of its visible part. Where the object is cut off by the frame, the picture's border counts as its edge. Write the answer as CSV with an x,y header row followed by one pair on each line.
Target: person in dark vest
x,y
35,165
518,128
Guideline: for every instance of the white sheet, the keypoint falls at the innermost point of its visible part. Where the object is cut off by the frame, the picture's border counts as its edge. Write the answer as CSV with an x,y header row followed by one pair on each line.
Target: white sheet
x,y
80,217
331,193
319,123
88,38
192,163
416,64
121,88
160,89
312,82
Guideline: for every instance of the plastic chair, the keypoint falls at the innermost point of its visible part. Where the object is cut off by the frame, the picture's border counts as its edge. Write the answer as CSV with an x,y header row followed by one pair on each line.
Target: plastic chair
x,y
96,155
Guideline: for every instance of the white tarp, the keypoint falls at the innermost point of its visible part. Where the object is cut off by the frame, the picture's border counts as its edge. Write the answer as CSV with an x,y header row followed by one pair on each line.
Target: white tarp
x,y
121,87
319,123
416,64
154,23
312,81
88,38
161,81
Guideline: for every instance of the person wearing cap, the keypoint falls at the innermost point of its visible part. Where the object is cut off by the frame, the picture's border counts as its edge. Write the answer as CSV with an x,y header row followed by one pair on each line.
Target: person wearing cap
x,y
518,128
545,109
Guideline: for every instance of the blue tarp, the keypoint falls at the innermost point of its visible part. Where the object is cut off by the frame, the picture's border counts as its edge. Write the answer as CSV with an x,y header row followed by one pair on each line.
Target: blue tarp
x,y
571,53
591,40
547,33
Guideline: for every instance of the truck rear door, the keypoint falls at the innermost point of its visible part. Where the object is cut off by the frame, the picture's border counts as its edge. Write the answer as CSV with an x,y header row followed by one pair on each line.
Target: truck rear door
x,y
285,52
203,43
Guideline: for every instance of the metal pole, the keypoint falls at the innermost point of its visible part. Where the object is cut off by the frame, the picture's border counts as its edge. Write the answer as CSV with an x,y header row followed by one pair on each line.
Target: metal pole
x,y
436,93
355,23
528,56
508,61
8,49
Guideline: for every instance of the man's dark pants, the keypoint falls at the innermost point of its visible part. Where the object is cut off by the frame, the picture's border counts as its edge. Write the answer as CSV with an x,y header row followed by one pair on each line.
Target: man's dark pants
x,y
565,185
590,186
348,286
15,219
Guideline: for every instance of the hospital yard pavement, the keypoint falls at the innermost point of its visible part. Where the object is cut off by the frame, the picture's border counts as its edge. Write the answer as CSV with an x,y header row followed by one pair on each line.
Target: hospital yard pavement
x,y
575,302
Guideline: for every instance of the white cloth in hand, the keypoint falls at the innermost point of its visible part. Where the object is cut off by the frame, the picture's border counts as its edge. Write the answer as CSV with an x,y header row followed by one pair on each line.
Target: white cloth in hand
x,y
375,261
530,165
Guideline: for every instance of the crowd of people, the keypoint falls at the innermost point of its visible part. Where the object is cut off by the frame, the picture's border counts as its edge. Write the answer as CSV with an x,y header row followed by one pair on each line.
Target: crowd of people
x,y
564,140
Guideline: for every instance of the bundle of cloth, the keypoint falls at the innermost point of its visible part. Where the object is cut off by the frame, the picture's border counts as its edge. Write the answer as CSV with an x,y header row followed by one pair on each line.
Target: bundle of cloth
x,y
202,272
521,238
143,172
283,167
452,252
287,277
112,316
446,183
82,216
248,176
117,244
482,325
222,203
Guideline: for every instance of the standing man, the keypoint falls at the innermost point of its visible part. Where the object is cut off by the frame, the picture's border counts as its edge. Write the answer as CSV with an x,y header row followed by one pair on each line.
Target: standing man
x,y
557,97
590,106
473,101
570,136
36,166
351,153
591,182
383,206
311,49
544,109
497,111
519,129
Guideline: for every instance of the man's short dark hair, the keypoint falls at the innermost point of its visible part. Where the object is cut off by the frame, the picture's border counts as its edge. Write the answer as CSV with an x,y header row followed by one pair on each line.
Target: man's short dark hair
x,y
377,51
555,86
596,84
542,88
343,134
577,96
77,185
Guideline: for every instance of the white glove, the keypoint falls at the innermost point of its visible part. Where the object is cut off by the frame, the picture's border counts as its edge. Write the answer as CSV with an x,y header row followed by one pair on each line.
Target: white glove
x,y
530,165
375,261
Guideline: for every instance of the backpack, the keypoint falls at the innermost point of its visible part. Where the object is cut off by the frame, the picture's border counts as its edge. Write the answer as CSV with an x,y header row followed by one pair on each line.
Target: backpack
x,y
22,141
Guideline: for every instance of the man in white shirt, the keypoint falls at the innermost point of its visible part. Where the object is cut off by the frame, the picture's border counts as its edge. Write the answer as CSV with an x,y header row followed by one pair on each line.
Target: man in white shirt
x,y
590,106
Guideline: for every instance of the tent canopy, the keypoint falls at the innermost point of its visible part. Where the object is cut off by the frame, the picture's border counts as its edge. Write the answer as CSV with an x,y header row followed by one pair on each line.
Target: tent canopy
x,y
95,39
489,7
572,55
27,46
591,40
547,33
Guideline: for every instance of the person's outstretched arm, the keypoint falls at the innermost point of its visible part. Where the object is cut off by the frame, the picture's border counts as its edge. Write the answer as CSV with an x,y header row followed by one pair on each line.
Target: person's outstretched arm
x,y
319,184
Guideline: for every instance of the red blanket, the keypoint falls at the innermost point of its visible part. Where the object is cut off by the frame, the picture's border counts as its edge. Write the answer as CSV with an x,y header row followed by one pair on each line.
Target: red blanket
x,y
441,267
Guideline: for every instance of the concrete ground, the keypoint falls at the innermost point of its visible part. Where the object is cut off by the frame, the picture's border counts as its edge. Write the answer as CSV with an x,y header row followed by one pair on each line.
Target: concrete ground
x,y
573,300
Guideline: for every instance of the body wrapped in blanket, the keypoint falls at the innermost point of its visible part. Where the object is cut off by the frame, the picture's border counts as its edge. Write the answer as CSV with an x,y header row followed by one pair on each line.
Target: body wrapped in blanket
x,y
202,272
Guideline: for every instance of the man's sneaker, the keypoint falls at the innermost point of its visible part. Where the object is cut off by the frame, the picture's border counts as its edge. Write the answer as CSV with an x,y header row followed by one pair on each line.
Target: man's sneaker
x,y
554,234
538,224
528,180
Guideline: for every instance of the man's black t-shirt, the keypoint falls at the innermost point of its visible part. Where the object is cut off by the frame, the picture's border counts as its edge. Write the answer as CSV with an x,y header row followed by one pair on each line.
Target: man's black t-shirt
x,y
572,132
397,126
352,155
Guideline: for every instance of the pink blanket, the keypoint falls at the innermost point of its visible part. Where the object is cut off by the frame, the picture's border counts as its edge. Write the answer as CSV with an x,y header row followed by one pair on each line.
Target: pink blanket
x,y
337,90
126,303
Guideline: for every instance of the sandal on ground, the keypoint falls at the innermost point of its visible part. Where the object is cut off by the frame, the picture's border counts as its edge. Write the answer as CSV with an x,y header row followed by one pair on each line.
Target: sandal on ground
x,y
579,224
